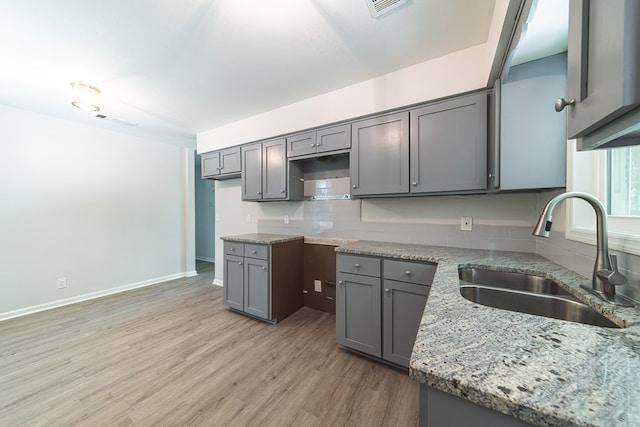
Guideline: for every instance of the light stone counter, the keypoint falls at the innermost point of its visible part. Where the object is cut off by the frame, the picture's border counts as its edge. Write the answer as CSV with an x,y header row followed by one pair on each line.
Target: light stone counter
x,y
544,371
262,238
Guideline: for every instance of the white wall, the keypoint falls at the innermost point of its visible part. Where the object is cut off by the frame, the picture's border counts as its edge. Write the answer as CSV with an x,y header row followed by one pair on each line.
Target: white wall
x,y
105,210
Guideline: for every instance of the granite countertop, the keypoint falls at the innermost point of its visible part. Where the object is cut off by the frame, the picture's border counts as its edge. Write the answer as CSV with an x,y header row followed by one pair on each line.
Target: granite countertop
x,y
544,371
262,238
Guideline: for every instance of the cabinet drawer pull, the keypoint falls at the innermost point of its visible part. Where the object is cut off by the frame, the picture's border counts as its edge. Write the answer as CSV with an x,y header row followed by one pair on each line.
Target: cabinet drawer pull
x,y
258,192
264,268
282,191
239,262
340,282
408,272
414,183
232,249
357,265
562,103
387,290
254,251
354,186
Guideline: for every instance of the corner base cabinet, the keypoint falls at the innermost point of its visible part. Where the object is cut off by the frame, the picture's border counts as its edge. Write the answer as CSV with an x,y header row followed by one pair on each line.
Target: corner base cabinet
x,y
263,280
379,305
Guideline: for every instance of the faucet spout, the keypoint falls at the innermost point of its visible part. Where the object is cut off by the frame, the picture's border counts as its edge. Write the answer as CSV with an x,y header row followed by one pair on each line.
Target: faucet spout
x,y
605,272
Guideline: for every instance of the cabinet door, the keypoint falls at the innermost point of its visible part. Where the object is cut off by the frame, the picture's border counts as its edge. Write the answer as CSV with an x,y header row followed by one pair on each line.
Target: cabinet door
x,y
603,62
257,290
230,160
333,138
252,172
210,164
234,282
403,306
358,315
449,146
301,144
274,173
379,161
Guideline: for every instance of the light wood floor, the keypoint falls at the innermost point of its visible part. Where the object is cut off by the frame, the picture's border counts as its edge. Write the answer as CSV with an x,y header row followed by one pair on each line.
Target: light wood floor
x,y
172,354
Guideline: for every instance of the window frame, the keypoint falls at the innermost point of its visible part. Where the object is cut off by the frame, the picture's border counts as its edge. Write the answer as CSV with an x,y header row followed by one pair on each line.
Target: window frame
x,y
624,232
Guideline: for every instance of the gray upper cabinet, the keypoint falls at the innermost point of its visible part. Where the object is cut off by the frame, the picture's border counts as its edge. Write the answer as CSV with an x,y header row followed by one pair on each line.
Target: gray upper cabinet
x,y
268,175
221,164
321,141
379,161
449,146
532,138
252,172
603,72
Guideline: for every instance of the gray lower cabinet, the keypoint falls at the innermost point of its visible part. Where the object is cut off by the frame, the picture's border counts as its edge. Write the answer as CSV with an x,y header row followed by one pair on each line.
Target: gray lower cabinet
x,y
449,146
321,141
379,305
440,409
263,280
268,175
603,70
221,164
379,161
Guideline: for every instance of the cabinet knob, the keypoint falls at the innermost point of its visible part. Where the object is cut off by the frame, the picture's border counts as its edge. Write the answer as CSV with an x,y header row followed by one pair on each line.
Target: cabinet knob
x,y
282,191
387,290
264,268
314,145
562,103
239,262
340,282
408,272
357,265
232,249
414,183
354,186
259,193
254,251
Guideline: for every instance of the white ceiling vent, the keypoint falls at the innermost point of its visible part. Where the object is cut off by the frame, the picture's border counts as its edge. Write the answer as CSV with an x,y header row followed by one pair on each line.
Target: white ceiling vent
x,y
380,7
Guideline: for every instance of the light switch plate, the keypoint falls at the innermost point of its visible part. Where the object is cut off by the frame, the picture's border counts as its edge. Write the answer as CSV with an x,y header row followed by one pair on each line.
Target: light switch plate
x,y
317,285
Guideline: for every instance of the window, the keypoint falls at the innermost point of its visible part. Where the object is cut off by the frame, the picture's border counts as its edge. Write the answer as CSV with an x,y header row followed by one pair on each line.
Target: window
x,y
613,176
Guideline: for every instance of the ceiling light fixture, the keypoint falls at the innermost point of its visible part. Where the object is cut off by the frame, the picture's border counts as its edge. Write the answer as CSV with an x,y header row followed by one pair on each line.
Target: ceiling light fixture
x,y
85,96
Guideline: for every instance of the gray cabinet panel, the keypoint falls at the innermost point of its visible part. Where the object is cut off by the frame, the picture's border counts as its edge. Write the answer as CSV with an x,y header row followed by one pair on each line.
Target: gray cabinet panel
x,y
230,161
449,146
603,62
301,144
252,172
379,161
403,306
419,273
333,138
355,264
358,313
210,164
257,295
274,173
234,282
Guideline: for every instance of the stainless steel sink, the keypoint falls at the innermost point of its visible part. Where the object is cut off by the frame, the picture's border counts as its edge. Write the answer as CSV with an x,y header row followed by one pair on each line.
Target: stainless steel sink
x,y
526,293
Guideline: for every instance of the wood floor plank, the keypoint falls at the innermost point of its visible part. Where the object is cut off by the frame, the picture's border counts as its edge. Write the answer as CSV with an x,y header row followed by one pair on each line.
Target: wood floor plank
x,y
172,354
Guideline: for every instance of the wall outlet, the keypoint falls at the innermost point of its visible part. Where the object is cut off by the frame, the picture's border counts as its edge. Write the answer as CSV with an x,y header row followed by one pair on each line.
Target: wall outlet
x,y
61,283
466,223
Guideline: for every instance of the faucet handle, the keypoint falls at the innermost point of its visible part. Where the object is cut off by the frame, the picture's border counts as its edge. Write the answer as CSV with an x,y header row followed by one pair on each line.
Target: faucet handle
x,y
615,278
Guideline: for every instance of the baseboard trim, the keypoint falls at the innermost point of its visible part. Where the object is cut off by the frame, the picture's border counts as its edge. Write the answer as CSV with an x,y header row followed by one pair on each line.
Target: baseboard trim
x,y
92,295
218,282
204,258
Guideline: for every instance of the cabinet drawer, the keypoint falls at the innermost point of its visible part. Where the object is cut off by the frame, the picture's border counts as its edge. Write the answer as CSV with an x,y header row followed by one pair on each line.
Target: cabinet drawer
x,y
234,248
256,251
412,272
358,265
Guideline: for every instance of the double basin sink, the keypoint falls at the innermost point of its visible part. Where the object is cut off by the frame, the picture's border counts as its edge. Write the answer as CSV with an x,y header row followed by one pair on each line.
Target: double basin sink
x,y
526,293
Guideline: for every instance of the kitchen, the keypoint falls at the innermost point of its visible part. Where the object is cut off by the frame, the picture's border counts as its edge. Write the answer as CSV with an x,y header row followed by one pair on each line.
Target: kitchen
x,y
500,221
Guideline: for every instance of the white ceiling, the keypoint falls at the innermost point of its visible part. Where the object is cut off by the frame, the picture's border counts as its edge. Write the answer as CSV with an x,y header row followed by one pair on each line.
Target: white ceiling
x,y
180,67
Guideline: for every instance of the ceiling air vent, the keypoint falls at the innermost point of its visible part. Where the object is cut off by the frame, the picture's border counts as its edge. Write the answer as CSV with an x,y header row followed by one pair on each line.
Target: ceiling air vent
x,y
380,7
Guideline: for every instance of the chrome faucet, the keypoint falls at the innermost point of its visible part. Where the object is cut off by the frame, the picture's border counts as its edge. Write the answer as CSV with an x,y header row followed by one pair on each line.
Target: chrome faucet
x,y
605,271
